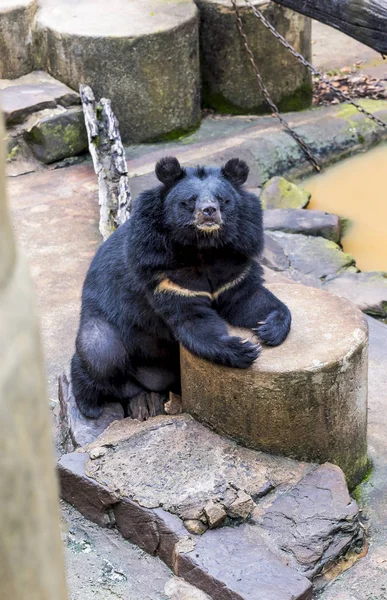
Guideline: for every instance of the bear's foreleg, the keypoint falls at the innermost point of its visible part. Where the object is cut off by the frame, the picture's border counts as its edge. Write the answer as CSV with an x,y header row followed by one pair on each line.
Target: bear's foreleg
x,y
258,309
198,327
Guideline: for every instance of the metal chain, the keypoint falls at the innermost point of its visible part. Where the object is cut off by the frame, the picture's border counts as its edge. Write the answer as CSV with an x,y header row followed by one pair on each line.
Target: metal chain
x,y
304,146
346,97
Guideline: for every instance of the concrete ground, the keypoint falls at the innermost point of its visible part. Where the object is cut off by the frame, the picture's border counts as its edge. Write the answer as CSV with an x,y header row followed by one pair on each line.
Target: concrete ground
x,y
55,215
332,50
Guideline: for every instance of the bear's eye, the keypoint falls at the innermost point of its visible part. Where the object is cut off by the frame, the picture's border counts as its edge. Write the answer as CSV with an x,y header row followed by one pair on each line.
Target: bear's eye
x,y
221,199
186,203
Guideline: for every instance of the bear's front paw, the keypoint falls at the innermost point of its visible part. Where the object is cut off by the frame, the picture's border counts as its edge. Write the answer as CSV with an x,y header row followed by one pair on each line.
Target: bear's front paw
x,y
275,329
239,353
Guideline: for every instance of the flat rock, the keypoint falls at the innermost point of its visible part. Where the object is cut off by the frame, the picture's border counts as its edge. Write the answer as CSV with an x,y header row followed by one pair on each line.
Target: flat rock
x,y
58,135
312,256
317,508
31,93
141,477
227,566
184,476
280,193
367,290
306,222
306,398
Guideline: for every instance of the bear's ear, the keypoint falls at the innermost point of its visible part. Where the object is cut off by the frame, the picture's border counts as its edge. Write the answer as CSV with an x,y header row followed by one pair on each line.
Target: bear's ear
x,y
236,171
168,170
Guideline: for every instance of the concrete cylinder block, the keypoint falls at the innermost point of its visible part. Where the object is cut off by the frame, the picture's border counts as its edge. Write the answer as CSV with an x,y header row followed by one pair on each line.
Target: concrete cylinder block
x,y
306,399
16,18
142,54
229,82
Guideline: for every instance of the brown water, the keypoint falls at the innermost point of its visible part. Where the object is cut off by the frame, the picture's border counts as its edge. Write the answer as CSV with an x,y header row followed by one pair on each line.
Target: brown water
x,y
356,189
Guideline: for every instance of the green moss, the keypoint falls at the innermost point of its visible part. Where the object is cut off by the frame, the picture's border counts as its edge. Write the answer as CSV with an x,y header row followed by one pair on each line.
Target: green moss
x,y
357,472
298,100
280,193
72,136
13,152
357,492
346,225
346,111
174,135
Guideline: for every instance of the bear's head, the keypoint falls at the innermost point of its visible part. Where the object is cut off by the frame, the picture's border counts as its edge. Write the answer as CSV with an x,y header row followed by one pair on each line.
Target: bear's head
x,y
206,206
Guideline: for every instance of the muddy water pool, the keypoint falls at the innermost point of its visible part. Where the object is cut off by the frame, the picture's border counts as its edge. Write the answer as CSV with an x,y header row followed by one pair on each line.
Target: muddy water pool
x,y
356,190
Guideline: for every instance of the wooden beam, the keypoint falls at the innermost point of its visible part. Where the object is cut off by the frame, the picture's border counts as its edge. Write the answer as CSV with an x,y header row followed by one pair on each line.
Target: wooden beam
x,y
363,20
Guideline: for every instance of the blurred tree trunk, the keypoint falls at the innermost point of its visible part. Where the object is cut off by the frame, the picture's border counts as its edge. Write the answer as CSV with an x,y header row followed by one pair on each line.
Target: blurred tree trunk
x,y
31,553
364,20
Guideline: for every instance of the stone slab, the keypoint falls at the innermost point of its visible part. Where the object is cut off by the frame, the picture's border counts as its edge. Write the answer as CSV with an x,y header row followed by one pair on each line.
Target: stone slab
x,y
33,92
319,507
93,500
306,398
367,290
307,222
225,565
312,256
184,476
180,458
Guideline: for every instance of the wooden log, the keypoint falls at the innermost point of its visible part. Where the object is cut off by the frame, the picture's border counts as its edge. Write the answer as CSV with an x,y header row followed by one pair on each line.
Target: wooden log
x,y
109,161
363,20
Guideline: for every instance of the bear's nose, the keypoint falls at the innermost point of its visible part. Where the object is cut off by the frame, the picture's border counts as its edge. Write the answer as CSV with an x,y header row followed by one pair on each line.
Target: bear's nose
x,y
209,210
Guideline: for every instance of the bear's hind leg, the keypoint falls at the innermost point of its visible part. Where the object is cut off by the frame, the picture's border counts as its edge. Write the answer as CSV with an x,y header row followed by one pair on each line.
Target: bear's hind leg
x,y
89,395
97,367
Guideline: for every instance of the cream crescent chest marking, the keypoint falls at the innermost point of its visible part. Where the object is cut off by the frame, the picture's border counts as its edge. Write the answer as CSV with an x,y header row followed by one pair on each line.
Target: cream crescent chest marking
x,y
166,285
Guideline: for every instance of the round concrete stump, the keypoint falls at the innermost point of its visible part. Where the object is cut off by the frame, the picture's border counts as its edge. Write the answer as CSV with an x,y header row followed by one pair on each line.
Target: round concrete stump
x,y
16,18
229,82
306,399
142,54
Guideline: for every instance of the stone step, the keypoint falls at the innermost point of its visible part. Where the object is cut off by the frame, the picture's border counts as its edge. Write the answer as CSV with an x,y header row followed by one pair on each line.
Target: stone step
x,y
44,120
152,480
31,93
264,145
306,398
142,55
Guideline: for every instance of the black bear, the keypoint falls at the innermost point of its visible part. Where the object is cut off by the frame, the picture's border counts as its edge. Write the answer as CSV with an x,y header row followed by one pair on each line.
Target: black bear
x,y
178,271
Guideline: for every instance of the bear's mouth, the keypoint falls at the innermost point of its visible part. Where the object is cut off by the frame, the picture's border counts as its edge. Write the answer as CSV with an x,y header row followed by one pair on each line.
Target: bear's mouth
x,y
208,226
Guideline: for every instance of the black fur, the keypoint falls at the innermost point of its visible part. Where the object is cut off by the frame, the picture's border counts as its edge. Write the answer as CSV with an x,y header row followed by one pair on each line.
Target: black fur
x,y
159,281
